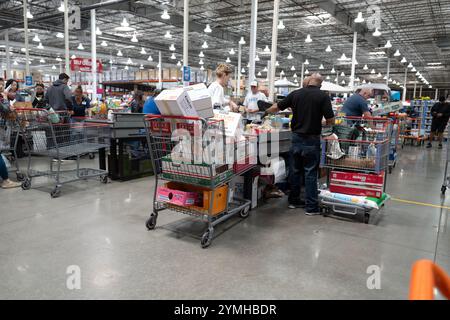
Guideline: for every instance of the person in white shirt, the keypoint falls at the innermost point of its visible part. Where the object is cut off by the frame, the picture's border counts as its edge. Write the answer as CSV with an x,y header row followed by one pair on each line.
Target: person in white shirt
x,y
223,74
251,101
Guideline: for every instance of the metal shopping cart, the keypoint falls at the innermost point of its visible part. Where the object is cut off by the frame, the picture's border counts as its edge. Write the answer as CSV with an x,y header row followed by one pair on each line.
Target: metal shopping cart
x,y
52,135
362,147
193,155
9,137
446,183
394,142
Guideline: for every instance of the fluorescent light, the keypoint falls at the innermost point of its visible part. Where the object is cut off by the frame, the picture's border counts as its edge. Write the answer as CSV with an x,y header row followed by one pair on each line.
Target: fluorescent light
x,y
60,35
321,67
342,74
404,60
134,38
306,62
259,74
129,61
293,68
434,63
126,68
40,46
281,25
168,35
201,54
208,29
119,53
98,31
165,15
36,38
173,57
366,67
360,18
104,43
232,52
266,49
410,65
373,71
205,45
172,47
58,59
53,67
243,70
388,44
29,15
242,41
179,64
80,46
61,7
202,68
265,69
306,71
201,62
333,70
228,60
150,58
282,73
290,57
397,53
328,49
308,39
42,60
377,33
257,58
328,78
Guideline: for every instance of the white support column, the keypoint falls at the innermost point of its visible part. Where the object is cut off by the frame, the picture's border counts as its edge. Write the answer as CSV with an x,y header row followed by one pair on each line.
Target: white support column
x,y
273,59
420,93
437,95
66,36
160,70
253,33
415,89
388,74
235,82
302,76
404,85
8,55
25,29
94,54
352,76
239,70
186,35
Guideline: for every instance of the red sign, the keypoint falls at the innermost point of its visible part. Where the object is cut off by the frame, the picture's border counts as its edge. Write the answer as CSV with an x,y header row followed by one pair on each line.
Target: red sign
x,y
85,65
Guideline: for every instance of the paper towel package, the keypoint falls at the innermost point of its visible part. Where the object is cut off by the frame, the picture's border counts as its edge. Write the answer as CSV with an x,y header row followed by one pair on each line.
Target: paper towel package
x,y
175,102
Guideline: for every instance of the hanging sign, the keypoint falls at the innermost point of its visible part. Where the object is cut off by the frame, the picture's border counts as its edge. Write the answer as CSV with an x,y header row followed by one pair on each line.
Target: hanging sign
x,y
85,65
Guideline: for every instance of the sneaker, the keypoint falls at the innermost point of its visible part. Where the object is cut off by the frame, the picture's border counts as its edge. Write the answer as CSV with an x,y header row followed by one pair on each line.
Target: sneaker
x,y
429,146
297,205
313,213
8,184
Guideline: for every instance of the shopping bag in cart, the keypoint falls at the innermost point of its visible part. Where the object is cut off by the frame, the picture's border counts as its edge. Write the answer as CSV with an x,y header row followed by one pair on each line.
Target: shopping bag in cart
x,y
53,116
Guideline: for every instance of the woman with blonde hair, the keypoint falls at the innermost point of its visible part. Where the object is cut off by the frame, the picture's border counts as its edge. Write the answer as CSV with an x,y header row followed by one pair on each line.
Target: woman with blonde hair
x,y
223,75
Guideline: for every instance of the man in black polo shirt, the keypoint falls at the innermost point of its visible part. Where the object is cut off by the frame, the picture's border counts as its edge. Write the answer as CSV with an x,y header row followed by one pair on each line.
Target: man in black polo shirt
x,y
309,106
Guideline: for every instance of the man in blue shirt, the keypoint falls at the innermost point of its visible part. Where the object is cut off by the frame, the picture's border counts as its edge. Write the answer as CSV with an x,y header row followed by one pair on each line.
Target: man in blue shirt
x,y
150,106
356,105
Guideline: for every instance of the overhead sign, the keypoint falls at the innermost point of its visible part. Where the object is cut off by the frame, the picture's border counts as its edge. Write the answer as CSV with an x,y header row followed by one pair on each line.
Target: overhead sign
x,y
186,74
28,81
85,65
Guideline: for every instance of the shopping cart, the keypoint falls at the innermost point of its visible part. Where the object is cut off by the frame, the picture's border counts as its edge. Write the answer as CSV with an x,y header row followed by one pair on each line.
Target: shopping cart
x,y
362,147
394,142
193,155
52,135
446,183
9,137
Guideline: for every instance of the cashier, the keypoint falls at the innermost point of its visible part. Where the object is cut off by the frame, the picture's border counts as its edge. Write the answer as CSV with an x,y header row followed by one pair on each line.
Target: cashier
x,y
251,101
80,103
223,75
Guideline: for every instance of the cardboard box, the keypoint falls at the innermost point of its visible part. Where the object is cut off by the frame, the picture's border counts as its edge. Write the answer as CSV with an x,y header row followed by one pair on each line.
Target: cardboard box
x,y
233,122
177,197
201,99
357,184
175,102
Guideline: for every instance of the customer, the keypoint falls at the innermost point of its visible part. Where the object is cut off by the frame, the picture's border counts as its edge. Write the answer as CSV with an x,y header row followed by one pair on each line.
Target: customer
x,y
309,105
251,100
441,114
137,104
150,106
5,108
58,95
80,103
356,105
38,99
223,75
12,89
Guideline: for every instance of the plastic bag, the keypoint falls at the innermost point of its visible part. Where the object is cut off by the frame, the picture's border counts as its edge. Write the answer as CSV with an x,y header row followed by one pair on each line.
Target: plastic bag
x,y
53,116
334,152
347,199
7,163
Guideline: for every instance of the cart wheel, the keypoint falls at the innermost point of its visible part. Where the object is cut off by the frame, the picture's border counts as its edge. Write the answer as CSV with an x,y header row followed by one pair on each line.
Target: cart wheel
x,y
366,218
104,179
443,190
26,184
55,192
91,155
207,239
245,212
20,177
151,222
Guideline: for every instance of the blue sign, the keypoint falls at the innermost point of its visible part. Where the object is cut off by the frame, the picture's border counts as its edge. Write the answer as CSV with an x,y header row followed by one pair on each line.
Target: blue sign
x,y
186,74
28,80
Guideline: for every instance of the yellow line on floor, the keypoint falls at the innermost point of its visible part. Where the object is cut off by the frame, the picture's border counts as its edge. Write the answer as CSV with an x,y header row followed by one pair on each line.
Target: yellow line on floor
x,y
420,203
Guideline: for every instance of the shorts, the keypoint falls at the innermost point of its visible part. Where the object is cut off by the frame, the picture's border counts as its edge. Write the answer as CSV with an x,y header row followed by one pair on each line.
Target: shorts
x,y
438,126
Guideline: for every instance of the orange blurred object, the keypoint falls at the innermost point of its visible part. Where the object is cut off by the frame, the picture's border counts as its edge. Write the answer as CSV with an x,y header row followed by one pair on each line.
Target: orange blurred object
x,y
425,278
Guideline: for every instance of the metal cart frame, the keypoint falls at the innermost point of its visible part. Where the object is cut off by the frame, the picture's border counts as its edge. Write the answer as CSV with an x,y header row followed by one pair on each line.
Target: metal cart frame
x,y
161,145
446,183
9,138
59,141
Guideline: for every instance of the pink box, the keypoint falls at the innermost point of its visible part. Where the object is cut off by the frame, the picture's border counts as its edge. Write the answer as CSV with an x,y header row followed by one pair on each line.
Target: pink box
x,y
176,197
357,184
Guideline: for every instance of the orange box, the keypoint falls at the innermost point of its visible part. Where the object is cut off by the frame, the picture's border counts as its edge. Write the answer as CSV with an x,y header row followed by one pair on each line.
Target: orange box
x,y
219,203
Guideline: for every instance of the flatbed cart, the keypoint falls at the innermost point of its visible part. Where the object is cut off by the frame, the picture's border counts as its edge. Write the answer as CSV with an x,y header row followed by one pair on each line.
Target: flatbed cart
x,y
9,138
191,151
355,156
53,136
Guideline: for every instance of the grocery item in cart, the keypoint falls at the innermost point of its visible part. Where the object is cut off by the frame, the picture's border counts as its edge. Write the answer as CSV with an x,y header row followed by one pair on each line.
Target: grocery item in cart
x,y
348,199
335,152
177,197
357,184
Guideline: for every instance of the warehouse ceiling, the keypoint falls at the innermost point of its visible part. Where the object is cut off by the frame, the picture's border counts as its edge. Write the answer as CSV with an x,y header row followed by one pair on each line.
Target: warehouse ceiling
x,y
418,29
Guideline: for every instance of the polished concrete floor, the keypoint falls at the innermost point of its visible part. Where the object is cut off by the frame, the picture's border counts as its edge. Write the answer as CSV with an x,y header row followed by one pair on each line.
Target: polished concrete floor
x,y
274,254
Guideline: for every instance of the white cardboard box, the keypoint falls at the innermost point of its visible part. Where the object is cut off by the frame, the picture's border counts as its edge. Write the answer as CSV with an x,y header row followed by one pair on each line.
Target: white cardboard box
x,y
201,99
175,102
232,122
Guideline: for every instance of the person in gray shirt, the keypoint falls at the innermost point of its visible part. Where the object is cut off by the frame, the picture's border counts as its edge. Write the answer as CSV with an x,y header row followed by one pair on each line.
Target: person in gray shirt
x,y
58,95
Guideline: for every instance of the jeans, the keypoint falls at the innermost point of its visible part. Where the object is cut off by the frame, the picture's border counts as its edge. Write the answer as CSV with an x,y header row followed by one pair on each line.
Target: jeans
x,y
3,169
304,163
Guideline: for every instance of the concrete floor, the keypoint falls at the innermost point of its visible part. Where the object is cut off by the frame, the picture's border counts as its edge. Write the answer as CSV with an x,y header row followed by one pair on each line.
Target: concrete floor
x,y
274,254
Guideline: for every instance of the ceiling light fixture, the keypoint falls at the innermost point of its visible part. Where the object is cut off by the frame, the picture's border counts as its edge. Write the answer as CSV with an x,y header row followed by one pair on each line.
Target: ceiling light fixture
x,y
150,58
60,35
321,67
126,68
410,65
397,53
373,71
165,15
404,60
29,15
98,31
202,68
243,70
179,64
58,59
306,71
141,67
42,60
265,69
328,49
134,38
201,62
295,76
143,51
53,67
80,46
129,61
172,47
207,29
168,35
342,74
104,44
366,67
257,58
73,57
228,60
119,53
360,18
205,45
333,70
266,49
306,62
232,52
40,46
308,39
61,7
173,57
36,38
293,68
376,33
290,57
242,41
201,54
388,44
281,25
259,74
